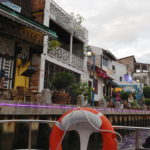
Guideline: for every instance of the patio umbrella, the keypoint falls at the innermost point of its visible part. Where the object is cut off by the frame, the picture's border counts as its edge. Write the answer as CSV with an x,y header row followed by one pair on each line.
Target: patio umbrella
x,y
118,89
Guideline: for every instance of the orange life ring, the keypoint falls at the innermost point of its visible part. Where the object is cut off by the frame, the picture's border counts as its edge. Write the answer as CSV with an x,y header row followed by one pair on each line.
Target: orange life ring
x,y
58,131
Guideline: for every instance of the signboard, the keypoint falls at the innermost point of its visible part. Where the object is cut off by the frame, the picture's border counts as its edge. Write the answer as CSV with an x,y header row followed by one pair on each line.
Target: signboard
x,y
11,5
3,1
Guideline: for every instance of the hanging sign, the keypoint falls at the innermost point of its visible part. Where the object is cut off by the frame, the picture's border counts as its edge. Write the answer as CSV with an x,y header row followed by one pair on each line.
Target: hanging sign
x,y
11,5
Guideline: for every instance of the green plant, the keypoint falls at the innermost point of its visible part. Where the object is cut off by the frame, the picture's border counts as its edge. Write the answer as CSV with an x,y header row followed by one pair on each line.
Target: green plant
x,y
53,44
146,91
124,95
135,105
147,101
62,80
107,98
82,88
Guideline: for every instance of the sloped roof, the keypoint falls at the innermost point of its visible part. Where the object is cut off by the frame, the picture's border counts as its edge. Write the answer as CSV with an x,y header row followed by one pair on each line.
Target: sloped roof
x,y
132,56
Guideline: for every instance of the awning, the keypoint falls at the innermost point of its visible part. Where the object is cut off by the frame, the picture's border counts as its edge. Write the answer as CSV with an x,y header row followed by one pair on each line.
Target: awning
x,y
17,17
101,73
109,81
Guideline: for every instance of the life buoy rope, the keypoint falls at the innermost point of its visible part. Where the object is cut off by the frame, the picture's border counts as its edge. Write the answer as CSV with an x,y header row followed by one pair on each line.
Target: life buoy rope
x,y
65,130
60,130
101,129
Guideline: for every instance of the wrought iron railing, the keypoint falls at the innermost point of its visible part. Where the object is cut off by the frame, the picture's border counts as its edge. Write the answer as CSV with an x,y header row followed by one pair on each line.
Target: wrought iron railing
x,y
77,62
64,56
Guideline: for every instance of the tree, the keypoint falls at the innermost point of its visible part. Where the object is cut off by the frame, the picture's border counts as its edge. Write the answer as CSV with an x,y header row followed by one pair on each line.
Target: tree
x,y
146,91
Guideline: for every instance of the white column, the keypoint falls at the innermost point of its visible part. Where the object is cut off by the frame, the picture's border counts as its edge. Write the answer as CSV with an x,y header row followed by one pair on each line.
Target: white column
x,y
71,46
47,13
42,73
45,44
141,68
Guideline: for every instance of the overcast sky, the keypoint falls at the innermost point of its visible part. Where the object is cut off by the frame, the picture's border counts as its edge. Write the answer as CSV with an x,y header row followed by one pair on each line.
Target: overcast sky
x,y
121,26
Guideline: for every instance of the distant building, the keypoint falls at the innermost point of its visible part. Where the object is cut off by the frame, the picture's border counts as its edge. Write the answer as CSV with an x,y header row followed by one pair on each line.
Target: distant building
x,y
139,71
129,62
103,71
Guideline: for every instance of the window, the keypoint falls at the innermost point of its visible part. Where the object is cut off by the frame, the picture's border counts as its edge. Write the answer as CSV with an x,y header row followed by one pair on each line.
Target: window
x,y
120,78
105,61
96,86
113,68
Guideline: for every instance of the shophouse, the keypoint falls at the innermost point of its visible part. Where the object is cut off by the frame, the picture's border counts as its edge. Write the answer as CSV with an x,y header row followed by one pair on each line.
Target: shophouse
x,y
21,45
101,61
26,31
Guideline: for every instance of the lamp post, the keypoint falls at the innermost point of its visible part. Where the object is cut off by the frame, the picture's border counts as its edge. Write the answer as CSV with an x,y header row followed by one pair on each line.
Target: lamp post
x,y
91,54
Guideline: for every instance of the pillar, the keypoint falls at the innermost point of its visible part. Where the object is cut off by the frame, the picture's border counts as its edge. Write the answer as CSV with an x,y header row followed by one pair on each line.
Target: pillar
x,y
42,73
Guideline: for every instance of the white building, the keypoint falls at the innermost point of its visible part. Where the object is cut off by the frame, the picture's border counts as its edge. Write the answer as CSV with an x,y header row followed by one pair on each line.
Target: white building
x,y
109,73
102,60
73,38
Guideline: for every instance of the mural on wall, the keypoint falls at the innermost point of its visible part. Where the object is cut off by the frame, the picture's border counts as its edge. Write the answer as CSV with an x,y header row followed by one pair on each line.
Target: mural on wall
x,y
133,89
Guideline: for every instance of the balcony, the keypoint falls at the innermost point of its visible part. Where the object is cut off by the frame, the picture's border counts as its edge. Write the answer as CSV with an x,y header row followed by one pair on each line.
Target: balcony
x,y
62,18
64,56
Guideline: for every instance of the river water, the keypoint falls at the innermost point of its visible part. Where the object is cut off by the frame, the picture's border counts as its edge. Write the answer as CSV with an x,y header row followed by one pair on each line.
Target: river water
x,y
129,139
40,139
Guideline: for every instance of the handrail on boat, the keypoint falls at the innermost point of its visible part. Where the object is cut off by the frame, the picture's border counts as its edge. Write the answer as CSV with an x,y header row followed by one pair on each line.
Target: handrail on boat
x,y
30,121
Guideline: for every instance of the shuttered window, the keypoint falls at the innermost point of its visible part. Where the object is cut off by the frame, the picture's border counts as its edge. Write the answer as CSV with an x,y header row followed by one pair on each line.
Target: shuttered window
x,y
6,64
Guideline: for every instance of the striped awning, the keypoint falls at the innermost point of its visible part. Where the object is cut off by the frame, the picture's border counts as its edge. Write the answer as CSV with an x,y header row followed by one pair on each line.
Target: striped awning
x,y
17,17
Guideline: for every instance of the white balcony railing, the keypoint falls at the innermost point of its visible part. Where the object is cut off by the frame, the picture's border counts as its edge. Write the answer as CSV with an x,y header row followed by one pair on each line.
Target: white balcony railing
x,y
64,56
61,17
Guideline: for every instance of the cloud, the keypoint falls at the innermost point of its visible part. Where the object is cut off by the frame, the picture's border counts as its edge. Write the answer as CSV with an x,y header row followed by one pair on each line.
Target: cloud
x,y
118,25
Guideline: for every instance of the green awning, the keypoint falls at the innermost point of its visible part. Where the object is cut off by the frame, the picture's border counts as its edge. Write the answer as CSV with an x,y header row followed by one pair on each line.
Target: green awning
x,y
17,17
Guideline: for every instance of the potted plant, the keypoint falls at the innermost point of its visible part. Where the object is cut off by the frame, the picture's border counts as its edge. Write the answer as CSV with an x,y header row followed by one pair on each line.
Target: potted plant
x,y
147,103
83,92
53,44
124,96
109,102
61,83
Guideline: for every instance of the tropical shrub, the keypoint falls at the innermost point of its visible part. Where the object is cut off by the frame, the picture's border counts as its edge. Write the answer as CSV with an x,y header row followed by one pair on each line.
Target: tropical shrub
x,y
146,91
62,80
147,101
107,98
53,44
124,95
82,88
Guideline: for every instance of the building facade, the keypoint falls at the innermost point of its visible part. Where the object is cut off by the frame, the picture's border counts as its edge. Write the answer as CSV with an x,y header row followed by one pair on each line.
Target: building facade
x,y
102,60
21,47
27,37
73,38
140,71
